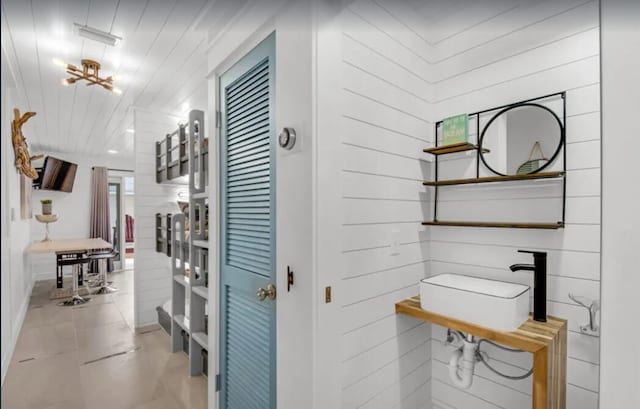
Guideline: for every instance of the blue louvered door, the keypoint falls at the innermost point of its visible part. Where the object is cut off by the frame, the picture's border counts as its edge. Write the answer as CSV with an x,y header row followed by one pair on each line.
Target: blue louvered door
x,y
247,160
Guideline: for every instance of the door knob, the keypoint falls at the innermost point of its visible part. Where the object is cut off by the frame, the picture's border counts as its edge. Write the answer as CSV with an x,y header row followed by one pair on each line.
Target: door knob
x,y
269,292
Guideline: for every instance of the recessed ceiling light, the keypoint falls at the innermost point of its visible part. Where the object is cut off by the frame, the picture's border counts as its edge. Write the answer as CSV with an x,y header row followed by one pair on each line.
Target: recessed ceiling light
x,y
59,62
130,130
112,151
97,35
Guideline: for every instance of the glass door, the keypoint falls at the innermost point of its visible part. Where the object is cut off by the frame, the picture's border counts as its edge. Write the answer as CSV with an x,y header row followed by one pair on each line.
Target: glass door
x,y
115,217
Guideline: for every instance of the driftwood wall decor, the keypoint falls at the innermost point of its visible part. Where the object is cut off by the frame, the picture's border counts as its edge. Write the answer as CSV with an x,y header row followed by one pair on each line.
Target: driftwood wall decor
x,y
25,197
23,160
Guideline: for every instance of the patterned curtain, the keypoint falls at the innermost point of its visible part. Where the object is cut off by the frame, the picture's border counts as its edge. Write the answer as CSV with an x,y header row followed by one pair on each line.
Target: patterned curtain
x,y
100,219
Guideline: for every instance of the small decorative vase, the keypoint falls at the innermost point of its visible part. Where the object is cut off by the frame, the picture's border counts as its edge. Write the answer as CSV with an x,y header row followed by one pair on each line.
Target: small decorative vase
x,y
46,208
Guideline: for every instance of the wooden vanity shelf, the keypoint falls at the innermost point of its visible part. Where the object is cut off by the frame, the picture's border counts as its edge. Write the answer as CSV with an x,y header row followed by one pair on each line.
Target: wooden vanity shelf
x,y
505,225
547,341
491,179
453,148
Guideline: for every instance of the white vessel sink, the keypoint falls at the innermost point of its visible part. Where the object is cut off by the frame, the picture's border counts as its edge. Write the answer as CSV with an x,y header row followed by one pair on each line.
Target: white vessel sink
x,y
489,303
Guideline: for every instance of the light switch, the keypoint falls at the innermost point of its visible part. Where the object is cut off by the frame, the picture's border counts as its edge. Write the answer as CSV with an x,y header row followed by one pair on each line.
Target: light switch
x,y
13,214
395,243
395,248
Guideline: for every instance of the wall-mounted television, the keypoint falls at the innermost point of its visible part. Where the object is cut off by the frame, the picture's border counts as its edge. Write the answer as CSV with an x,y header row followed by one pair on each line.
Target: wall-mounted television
x,y
56,174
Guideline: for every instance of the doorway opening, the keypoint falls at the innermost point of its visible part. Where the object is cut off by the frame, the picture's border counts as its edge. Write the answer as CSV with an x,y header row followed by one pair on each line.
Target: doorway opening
x,y
121,208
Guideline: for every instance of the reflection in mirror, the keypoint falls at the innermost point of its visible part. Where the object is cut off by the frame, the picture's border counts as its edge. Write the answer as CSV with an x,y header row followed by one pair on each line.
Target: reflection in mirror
x,y
521,139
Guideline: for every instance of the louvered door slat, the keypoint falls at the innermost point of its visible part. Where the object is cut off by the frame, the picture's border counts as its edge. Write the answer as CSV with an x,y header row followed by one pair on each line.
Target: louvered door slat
x,y
248,145
244,138
249,171
247,381
246,127
247,236
258,73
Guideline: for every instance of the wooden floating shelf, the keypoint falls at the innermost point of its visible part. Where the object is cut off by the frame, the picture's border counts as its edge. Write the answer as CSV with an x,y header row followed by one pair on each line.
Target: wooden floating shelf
x,y
201,195
201,243
201,290
455,147
490,179
181,321
180,279
546,340
202,339
513,225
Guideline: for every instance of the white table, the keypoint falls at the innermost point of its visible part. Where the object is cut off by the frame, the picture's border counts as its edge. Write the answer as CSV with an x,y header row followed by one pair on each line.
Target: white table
x,y
67,246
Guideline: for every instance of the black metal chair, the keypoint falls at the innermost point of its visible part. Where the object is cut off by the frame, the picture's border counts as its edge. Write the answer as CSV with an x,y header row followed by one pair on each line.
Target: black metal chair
x,y
62,259
103,279
76,264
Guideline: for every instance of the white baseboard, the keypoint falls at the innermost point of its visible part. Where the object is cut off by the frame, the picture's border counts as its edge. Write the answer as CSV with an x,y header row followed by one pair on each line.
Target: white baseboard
x,y
15,332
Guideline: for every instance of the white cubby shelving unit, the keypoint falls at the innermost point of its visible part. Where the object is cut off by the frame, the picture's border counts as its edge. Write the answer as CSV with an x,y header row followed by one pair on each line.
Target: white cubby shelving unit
x,y
190,291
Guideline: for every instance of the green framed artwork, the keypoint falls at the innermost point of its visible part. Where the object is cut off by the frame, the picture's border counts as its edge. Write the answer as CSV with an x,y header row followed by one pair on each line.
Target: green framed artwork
x,y
455,129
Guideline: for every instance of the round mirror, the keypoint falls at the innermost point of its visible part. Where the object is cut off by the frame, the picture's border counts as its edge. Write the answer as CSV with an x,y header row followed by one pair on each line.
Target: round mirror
x,y
521,139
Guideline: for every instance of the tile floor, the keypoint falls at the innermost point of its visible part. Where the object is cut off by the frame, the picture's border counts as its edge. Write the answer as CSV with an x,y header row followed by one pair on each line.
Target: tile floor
x,y
57,361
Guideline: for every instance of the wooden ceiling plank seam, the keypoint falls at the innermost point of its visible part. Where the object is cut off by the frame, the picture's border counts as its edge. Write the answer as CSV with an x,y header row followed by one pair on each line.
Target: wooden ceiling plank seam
x,y
188,62
185,32
15,54
125,92
141,15
190,17
75,89
198,84
123,20
184,61
195,91
70,130
26,49
49,96
99,13
49,134
114,16
87,136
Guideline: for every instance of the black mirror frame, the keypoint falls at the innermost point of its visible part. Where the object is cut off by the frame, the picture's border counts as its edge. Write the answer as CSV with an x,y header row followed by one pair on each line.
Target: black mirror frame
x,y
518,105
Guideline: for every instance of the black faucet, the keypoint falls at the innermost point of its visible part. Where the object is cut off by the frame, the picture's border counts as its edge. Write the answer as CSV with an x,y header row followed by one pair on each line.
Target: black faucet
x,y
539,268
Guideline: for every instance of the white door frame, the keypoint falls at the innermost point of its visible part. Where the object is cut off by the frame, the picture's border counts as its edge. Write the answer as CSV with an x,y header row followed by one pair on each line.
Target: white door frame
x,y
292,23
117,179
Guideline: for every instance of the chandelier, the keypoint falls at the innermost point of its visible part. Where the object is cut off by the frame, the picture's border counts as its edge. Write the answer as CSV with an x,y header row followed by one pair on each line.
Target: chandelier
x,y
90,72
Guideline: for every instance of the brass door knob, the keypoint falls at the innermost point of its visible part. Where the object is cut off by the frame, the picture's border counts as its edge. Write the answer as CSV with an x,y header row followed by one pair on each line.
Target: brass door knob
x,y
269,292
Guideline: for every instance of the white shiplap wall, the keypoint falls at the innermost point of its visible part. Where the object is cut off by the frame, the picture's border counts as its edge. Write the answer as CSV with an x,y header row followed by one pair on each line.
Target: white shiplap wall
x,y
400,72
152,276
530,50
384,126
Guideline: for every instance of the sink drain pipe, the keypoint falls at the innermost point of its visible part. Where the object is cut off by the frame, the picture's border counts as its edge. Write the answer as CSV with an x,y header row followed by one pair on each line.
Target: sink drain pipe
x,y
461,373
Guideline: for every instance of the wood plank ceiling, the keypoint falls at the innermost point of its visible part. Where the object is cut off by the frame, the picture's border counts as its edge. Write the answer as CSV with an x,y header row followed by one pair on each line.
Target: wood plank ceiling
x,y
161,59
161,62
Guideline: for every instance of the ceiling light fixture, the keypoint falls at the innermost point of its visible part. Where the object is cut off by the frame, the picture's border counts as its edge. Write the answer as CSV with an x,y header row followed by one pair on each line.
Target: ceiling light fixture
x,y
113,152
97,35
91,73
130,130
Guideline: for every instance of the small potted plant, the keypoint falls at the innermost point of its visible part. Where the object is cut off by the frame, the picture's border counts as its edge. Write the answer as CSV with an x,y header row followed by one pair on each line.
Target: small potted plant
x,y
46,206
